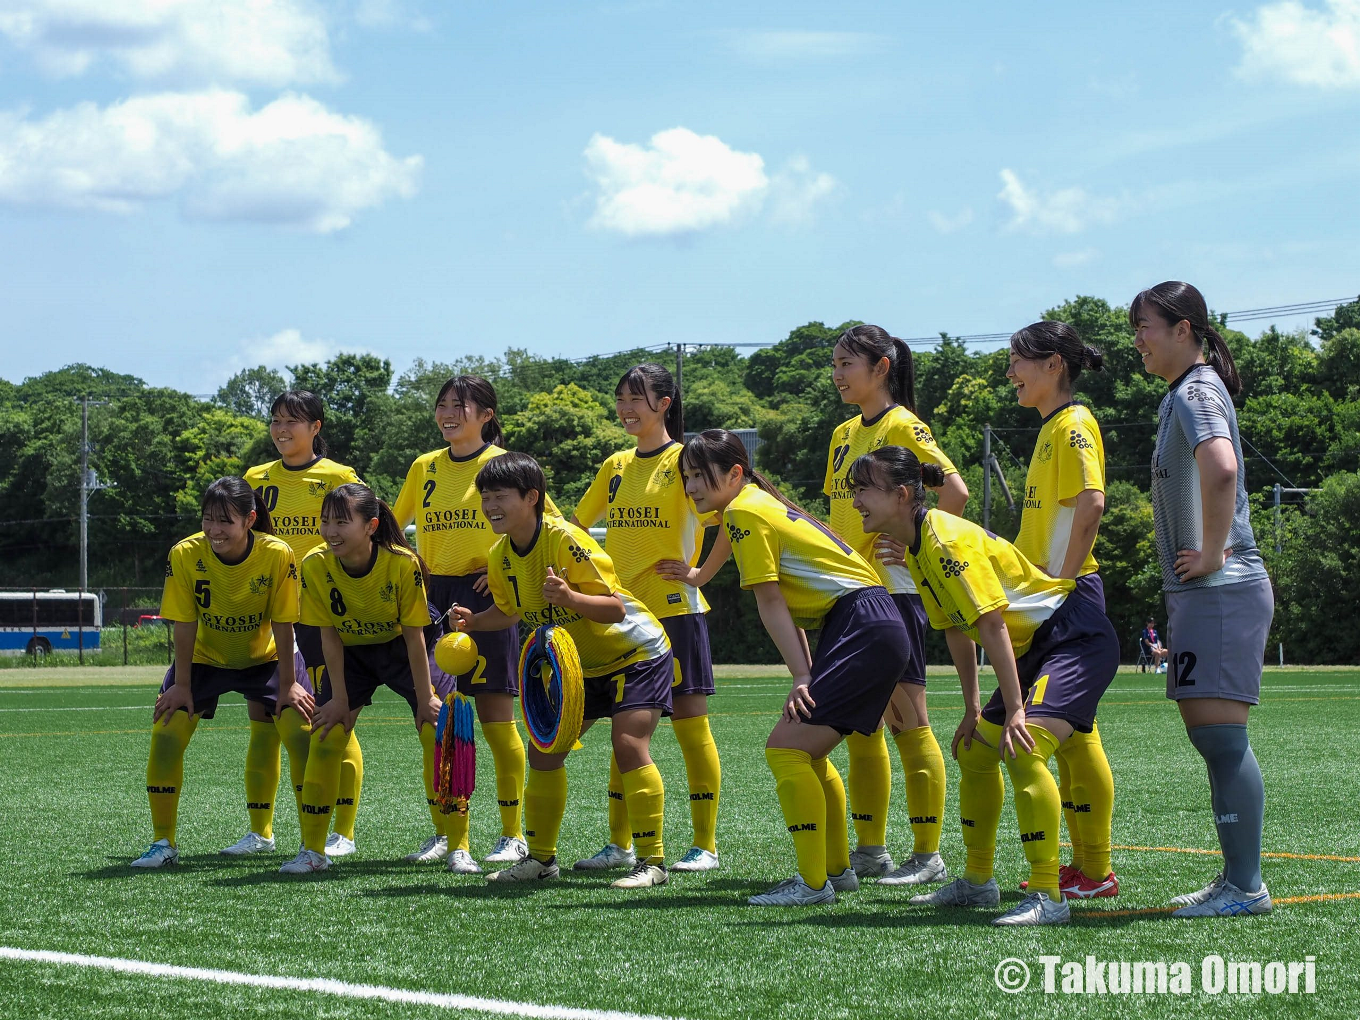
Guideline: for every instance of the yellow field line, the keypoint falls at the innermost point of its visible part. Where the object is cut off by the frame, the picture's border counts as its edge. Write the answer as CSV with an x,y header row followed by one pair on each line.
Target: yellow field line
x,y
1317,898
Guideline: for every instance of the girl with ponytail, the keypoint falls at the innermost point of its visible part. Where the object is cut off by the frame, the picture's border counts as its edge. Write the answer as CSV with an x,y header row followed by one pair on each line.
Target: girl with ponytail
x,y
365,591
874,371
804,576
440,496
232,592
655,535
292,487
1054,653
1219,602
1064,501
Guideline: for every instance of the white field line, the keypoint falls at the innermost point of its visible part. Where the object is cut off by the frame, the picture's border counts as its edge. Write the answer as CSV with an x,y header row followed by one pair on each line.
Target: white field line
x,y
106,708
325,986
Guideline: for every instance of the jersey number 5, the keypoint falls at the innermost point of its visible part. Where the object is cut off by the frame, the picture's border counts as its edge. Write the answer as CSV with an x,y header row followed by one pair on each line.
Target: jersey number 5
x,y
202,595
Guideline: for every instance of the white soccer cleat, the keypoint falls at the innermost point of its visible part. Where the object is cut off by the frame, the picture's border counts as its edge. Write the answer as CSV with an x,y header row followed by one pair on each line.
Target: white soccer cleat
x,y
158,855
1202,895
1230,901
339,846
508,850
432,851
305,863
460,862
643,876
250,843
610,856
871,861
528,870
961,893
696,859
918,869
794,892
1036,908
846,881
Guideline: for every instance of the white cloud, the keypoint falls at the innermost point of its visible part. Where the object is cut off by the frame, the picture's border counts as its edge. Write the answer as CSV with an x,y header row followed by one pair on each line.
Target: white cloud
x,y
284,348
787,46
796,191
950,224
1068,211
1073,259
291,162
1303,45
263,42
680,183
389,14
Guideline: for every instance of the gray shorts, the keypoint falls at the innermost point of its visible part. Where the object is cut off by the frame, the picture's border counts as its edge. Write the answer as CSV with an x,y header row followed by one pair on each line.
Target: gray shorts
x,y
1216,640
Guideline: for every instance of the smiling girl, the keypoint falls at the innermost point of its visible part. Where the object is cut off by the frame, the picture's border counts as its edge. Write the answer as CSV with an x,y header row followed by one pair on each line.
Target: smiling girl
x,y
654,539
232,592
874,371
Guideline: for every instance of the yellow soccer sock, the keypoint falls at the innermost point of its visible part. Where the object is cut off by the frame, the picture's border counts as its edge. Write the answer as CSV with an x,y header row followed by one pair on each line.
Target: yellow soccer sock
x,y
837,833
319,786
804,806
645,796
923,763
620,832
1070,809
262,776
982,792
545,802
507,751
704,773
431,801
456,829
870,782
296,734
1093,799
165,771
351,784
1038,810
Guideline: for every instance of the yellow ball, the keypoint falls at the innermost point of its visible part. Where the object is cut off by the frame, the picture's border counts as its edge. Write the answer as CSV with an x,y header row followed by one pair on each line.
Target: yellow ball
x,y
456,653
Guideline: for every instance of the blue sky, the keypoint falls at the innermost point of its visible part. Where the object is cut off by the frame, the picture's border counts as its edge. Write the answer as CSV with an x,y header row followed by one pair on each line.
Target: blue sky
x,y
193,187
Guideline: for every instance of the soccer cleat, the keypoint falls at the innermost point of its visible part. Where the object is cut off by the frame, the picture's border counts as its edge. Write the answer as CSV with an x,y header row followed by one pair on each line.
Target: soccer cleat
x,y
1036,908
610,856
643,876
794,892
528,870
960,893
846,881
1066,876
696,859
158,855
305,863
1190,899
871,861
918,869
460,862
1080,887
433,850
1230,901
250,843
508,850
339,846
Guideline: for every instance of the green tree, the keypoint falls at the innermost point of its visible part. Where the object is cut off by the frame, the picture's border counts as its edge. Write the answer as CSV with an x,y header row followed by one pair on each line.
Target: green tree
x,y
355,390
1317,602
570,435
251,392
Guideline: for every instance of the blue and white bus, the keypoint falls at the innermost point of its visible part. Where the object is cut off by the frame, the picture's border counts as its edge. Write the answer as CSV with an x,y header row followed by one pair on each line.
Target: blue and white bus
x,y
38,622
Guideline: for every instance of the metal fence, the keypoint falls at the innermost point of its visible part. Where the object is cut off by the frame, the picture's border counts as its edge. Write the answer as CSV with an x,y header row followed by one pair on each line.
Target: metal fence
x,y
122,609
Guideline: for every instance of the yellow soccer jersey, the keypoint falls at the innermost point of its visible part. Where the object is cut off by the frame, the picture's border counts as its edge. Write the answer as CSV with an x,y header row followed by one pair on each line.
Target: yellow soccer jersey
x,y
293,497
649,519
963,572
1069,457
894,427
370,609
517,586
440,495
233,605
772,542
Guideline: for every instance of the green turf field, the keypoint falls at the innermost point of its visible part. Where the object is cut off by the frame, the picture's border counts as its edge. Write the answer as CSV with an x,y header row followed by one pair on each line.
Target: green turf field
x,y
71,793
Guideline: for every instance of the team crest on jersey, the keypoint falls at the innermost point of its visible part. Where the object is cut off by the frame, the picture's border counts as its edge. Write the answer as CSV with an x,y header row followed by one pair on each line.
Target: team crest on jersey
x,y
952,567
736,534
577,553
387,592
1046,452
260,585
665,477
201,567
316,488
1079,442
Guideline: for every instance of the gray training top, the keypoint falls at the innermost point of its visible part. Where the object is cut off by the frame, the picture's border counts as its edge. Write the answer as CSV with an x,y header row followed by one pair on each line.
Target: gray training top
x,y
1197,407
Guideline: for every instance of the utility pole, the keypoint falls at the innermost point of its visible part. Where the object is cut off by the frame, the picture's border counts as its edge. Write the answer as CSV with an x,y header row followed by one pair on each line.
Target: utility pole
x,y
990,466
1280,490
679,373
89,482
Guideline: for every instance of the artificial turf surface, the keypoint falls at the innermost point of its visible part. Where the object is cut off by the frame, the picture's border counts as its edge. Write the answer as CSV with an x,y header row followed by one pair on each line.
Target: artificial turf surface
x,y
74,744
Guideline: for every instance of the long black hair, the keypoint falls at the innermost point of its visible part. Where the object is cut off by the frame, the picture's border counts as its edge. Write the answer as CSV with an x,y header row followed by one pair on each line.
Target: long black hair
x,y
653,382
896,466
475,389
1174,301
233,498
305,406
715,452
357,499
875,343
516,471
1041,340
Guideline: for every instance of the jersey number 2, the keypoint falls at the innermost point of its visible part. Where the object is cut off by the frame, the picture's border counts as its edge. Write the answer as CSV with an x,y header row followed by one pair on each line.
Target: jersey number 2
x,y
429,493
1183,665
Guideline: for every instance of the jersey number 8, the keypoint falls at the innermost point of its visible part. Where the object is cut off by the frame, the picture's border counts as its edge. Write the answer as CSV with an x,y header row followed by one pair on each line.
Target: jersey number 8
x,y
337,602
